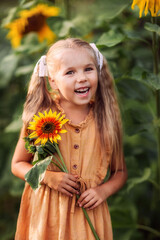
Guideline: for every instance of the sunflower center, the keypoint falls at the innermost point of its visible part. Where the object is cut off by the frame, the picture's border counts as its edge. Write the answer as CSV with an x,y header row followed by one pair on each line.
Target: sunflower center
x,y
35,23
48,127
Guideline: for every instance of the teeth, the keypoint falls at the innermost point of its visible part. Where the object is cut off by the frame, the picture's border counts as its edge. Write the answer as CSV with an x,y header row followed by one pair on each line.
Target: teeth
x,y
82,90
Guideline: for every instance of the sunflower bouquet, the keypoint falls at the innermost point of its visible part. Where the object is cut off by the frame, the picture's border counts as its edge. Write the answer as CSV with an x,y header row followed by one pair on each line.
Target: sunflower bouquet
x,y
43,142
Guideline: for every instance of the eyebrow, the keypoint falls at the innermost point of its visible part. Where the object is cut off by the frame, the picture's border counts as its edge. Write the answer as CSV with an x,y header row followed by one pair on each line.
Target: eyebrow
x,y
90,64
85,66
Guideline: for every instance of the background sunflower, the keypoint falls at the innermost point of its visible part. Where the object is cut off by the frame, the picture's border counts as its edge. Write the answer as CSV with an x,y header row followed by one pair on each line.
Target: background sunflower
x,y
32,20
144,5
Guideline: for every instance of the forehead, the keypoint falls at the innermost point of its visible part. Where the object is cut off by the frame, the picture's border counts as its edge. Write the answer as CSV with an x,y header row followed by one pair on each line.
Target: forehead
x,y
75,56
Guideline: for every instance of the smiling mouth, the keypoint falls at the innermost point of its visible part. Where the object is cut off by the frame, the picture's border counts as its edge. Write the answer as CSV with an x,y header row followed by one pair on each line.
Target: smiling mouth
x,y
82,90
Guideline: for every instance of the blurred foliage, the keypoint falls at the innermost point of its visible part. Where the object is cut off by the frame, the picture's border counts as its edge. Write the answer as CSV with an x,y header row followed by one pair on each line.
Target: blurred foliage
x,y
126,42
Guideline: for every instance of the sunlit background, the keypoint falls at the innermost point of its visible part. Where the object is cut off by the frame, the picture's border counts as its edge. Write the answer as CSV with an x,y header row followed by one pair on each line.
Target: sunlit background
x,y
130,45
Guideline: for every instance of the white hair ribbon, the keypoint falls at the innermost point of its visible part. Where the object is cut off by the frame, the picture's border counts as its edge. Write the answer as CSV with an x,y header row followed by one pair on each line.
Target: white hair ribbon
x,y
42,66
98,54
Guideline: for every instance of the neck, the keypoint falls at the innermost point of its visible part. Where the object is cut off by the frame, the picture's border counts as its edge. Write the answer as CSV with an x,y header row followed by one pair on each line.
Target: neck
x,y
75,113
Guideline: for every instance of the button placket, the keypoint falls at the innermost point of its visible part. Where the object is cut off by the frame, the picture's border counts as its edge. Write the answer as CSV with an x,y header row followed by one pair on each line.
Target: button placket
x,y
77,130
76,151
76,146
74,166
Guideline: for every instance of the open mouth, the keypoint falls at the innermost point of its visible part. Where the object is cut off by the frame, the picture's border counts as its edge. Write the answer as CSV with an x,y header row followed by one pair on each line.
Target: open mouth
x,y
82,90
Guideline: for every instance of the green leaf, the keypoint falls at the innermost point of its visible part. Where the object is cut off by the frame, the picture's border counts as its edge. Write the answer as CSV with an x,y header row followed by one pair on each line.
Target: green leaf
x,y
110,39
135,36
113,8
156,122
137,120
79,26
134,88
14,126
32,148
152,27
40,149
124,215
153,81
11,62
23,70
36,173
66,27
10,16
137,180
50,146
41,153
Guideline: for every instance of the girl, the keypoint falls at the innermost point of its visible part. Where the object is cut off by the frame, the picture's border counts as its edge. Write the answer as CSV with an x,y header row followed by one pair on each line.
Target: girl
x,y
91,146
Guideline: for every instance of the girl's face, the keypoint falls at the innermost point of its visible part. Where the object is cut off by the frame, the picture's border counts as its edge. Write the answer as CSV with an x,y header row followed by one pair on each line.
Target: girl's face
x,y
75,76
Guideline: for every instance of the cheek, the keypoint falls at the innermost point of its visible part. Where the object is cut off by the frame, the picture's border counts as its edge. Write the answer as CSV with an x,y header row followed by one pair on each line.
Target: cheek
x,y
95,82
63,86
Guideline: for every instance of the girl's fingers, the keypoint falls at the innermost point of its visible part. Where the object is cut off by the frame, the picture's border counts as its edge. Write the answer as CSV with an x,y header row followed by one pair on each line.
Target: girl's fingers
x,y
94,205
73,184
73,177
71,189
82,197
90,203
84,200
66,192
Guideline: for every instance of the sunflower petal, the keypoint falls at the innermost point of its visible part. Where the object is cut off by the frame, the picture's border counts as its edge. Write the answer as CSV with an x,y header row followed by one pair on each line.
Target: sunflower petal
x,y
63,131
37,140
32,135
144,5
41,115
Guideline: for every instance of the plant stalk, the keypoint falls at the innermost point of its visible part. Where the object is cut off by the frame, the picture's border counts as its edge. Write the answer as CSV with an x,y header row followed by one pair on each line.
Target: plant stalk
x,y
61,167
157,93
89,221
60,155
67,9
149,229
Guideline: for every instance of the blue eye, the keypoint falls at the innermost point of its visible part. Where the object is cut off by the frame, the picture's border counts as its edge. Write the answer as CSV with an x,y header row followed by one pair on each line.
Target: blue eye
x,y
88,69
69,73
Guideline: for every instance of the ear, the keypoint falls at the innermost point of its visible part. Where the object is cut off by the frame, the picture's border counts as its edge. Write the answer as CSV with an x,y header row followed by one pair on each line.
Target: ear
x,y
53,84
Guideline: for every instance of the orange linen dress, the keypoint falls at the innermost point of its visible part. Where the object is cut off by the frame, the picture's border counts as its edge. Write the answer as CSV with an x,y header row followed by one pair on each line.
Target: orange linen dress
x,y
46,214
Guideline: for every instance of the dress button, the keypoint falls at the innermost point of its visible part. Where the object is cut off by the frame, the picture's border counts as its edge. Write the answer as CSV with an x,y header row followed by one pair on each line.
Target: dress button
x,y
77,130
75,166
76,146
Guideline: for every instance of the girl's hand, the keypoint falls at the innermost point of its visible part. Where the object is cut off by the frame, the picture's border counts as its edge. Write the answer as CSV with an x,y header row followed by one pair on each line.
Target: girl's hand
x,y
62,182
91,198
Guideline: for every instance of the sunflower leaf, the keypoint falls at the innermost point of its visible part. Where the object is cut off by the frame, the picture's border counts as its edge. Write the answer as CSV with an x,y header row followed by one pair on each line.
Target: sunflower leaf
x,y
40,149
110,39
41,153
152,27
36,173
50,146
137,180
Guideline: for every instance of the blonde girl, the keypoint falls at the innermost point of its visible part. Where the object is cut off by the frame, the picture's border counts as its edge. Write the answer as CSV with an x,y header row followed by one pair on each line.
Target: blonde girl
x,y
82,89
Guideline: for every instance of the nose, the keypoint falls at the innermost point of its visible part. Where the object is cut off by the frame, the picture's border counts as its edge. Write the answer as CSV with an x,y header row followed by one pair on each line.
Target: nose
x,y
81,77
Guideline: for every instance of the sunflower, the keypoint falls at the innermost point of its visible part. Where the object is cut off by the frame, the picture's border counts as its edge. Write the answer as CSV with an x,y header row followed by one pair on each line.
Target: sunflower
x,y
152,5
33,20
47,127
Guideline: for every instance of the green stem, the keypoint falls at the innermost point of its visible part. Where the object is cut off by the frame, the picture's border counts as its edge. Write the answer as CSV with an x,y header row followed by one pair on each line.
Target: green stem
x,y
149,229
57,166
89,222
67,9
61,165
59,154
157,93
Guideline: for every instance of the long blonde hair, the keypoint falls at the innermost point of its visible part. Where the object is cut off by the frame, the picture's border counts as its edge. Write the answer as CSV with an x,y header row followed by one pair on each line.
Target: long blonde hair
x,y
106,110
